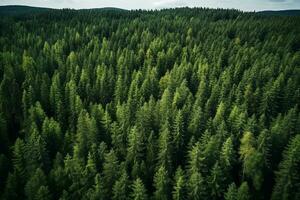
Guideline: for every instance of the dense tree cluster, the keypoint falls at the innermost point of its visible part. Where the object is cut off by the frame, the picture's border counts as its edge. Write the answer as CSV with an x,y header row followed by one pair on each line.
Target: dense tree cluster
x,y
172,104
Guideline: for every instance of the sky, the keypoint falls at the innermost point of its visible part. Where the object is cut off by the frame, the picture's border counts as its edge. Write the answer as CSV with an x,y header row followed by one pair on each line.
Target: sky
x,y
246,5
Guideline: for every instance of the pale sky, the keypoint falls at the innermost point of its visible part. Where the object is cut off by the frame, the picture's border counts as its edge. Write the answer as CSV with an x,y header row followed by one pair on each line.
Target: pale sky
x,y
246,5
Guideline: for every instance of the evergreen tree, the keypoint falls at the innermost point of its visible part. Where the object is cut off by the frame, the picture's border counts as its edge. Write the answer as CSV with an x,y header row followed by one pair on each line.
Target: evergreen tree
x,y
243,192
53,137
178,137
43,193
179,188
136,145
165,148
13,189
56,99
287,178
196,187
252,159
36,155
19,159
217,181
161,184
35,186
138,190
231,193
227,156
110,172
97,192
121,188
86,135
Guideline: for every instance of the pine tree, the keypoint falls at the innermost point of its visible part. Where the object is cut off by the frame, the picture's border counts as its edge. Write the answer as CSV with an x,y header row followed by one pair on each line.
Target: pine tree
x,y
162,184
97,192
220,114
29,67
13,188
45,91
33,186
181,95
236,120
252,159
86,135
217,182
19,159
57,177
287,178
194,161
138,190
196,187
36,117
56,99
73,104
136,145
52,135
228,154
166,106
165,148
90,170
196,124
121,187
179,188
243,192
110,172
43,193
151,157
178,138
231,193
36,154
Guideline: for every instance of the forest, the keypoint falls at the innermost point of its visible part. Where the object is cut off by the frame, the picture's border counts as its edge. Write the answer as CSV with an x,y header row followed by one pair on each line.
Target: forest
x,y
172,104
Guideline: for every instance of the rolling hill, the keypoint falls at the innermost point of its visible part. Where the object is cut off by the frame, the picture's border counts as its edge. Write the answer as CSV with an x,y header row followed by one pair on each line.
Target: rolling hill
x,y
13,10
16,10
280,12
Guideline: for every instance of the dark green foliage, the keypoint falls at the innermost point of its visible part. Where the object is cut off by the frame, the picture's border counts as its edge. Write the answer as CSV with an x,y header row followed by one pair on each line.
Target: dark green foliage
x,y
35,187
97,191
281,13
138,190
121,188
172,104
180,187
21,10
110,172
231,193
288,180
162,184
243,192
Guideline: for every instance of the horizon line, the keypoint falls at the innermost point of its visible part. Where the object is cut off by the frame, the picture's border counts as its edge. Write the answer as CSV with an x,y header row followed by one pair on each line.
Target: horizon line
x,y
146,9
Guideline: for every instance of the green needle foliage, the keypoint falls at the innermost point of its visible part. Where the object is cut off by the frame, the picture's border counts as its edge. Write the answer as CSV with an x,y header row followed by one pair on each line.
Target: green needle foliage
x,y
172,104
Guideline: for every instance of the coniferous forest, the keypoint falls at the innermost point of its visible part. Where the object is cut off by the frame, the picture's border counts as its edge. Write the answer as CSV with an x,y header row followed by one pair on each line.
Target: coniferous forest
x,y
181,104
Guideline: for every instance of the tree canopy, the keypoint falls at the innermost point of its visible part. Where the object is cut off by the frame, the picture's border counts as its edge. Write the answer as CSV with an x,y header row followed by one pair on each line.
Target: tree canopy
x,y
186,103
